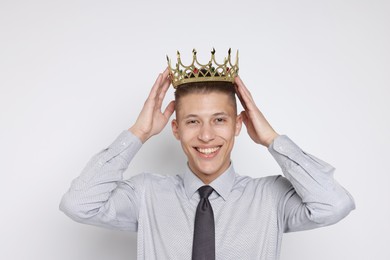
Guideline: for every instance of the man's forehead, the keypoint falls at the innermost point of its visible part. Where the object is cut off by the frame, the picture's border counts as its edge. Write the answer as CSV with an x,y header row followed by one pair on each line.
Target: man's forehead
x,y
216,114
210,97
205,99
205,104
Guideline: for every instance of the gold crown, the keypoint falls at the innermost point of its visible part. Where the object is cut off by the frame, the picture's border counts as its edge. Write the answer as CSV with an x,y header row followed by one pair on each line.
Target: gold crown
x,y
197,72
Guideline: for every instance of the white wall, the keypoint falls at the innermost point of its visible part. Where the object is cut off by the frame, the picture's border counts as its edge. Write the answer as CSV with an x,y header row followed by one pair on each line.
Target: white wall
x,y
74,74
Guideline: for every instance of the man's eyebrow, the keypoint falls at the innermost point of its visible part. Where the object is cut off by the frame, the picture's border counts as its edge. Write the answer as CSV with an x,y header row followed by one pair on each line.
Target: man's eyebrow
x,y
190,115
221,114
215,114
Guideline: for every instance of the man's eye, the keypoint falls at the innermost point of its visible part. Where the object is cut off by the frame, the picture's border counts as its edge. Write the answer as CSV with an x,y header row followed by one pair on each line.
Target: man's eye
x,y
220,120
191,122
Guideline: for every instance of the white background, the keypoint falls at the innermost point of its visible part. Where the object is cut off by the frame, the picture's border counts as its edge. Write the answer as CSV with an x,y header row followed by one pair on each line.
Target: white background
x,y
74,74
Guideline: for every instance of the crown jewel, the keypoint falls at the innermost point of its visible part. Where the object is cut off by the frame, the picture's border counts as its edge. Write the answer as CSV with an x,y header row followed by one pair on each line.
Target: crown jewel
x,y
197,72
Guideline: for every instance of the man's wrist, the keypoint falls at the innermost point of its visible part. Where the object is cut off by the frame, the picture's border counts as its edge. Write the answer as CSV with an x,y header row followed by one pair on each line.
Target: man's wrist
x,y
138,134
271,139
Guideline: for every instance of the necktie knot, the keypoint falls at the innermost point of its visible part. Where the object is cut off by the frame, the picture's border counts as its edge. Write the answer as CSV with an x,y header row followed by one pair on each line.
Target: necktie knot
x,y
205,191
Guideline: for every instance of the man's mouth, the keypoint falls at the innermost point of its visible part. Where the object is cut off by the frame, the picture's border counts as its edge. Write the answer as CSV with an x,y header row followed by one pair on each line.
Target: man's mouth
x,y
208,151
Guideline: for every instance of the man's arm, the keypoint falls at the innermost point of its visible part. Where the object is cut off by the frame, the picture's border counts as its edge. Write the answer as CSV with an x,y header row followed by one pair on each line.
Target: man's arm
x,y
100,196
315,199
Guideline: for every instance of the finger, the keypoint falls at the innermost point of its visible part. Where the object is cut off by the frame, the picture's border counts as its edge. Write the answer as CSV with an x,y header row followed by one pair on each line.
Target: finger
x,y
163,90
157,95
239,91
154,90
164,80
169,109
240,98
243,89
246,96
242,86
166,72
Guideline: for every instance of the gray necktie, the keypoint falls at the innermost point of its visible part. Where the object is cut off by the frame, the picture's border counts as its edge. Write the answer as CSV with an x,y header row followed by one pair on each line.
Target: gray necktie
x,y
203,247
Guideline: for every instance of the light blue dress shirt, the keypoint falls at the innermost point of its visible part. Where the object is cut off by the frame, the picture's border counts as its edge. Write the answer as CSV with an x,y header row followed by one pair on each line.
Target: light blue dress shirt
x,y
251,214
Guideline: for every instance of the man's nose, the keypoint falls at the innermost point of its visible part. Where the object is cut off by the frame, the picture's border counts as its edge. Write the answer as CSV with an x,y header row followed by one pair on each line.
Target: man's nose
x,y
206,133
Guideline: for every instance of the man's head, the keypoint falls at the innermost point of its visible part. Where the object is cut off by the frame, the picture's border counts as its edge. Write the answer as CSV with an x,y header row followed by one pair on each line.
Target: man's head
x,y
206,124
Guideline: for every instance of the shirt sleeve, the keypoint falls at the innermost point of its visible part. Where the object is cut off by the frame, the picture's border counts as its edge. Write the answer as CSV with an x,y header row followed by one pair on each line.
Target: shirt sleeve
x,y
315,199
100,196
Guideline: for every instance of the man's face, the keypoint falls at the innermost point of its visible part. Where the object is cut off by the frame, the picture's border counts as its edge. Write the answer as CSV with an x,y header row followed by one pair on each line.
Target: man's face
x,y
206,126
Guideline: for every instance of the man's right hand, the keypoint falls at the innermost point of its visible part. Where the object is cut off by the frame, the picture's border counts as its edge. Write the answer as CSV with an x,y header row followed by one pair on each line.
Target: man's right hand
x,y
152,120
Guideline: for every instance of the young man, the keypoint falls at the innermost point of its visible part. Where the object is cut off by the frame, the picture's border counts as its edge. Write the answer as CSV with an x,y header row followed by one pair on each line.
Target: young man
x,y
240,217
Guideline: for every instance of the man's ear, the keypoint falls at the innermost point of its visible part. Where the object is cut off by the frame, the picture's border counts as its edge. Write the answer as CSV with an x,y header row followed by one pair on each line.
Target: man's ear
x,y
175,129
238,124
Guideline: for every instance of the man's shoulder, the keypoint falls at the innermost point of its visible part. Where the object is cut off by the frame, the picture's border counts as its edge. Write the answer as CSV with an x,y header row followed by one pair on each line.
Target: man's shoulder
x,y
147,178
263,179
158,179
155,182
272,182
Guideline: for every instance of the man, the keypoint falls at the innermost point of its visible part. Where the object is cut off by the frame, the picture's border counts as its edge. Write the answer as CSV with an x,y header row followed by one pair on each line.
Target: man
x,y
240,217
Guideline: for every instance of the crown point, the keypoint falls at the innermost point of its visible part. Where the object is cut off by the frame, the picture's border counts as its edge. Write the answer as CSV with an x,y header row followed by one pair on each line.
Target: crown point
x,y
167,58
178,56
194,51
230,51
213,51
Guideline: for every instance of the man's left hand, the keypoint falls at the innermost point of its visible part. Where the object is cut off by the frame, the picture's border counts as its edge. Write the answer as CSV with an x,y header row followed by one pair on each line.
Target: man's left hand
x,y
257,126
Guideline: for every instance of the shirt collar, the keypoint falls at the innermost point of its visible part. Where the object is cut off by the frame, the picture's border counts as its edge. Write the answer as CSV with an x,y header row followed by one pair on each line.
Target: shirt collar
x,y
222,185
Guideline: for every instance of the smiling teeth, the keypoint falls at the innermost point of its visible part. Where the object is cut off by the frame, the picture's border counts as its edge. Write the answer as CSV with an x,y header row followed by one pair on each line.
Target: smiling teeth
x,y
207,150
